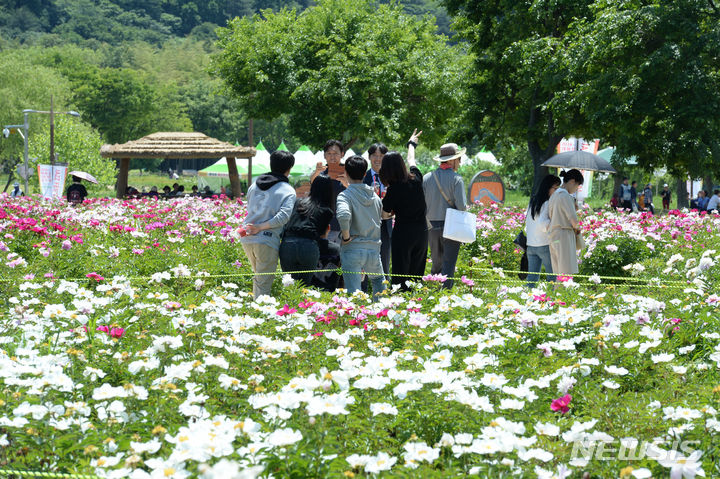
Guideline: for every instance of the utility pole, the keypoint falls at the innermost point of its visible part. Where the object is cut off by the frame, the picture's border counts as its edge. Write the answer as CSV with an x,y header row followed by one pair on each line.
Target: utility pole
x,y
52,131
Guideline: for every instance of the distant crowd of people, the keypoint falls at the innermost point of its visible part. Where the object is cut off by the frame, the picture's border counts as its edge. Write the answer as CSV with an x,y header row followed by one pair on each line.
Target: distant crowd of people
x,y
627,198
176,191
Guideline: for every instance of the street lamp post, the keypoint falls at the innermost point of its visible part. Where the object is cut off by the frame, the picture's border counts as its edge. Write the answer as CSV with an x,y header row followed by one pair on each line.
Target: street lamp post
x,y
25,133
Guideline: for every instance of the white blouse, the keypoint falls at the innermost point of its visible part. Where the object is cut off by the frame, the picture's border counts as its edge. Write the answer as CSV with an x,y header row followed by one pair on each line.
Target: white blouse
x,y
536,229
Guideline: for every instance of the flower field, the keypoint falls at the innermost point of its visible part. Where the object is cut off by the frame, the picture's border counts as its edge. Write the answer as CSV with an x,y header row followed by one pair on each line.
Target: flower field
x,y
130,346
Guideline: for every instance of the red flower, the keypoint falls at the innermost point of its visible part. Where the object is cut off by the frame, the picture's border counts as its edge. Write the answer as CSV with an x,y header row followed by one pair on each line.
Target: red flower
x,y
117,332
286,310
561,404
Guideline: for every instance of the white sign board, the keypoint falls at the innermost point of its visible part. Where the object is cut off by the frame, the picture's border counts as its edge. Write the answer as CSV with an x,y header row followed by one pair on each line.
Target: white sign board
x,y
52,180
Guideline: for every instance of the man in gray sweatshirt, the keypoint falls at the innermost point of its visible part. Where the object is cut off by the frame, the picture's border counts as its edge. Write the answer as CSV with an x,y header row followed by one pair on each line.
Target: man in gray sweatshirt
x,y
359,212
444,189
270,202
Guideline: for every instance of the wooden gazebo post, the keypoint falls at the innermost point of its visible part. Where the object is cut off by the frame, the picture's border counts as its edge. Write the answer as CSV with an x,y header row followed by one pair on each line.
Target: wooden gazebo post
x,y
122,179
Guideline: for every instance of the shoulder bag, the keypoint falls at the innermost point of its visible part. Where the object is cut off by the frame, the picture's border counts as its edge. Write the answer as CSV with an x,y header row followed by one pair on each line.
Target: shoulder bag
x,y
459,225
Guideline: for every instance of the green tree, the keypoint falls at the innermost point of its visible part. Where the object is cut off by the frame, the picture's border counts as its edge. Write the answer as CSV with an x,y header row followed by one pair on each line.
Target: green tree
x,y
641,75
124,106
649,82
18,93
76,144
522,83
346,69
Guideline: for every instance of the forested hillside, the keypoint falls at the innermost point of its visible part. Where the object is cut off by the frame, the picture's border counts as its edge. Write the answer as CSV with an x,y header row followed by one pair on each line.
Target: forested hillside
x,y
154,21
132,67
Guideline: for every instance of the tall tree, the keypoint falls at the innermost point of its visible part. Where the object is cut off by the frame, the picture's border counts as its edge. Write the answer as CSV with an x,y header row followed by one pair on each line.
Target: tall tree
x,y
346,69
123,106
650,82
641,75
521,79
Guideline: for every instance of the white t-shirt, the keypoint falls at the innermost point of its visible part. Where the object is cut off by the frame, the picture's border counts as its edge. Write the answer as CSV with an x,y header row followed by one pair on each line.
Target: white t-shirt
x,y
714,202
536,229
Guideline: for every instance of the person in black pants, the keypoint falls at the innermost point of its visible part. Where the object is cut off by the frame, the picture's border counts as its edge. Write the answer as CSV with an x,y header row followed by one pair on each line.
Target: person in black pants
x,y
308,223
405,200
372,178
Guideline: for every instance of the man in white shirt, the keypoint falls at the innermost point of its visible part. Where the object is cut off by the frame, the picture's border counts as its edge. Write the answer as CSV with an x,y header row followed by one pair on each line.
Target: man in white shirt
x,y
714,203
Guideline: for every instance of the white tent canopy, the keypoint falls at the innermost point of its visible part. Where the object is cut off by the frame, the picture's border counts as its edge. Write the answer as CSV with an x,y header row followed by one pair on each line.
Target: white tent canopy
x,y
262,157
487,156
305,160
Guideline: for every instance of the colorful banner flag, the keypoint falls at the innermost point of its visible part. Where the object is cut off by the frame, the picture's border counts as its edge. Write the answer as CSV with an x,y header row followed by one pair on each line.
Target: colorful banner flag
x,y
52,180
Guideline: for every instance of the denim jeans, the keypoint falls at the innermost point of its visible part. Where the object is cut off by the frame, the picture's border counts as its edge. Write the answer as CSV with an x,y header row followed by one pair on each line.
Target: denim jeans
x,y
356,260
299,254
538,256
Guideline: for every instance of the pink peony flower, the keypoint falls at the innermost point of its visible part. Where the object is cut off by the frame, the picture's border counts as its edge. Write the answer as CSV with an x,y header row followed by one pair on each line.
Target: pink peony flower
x,y
440,278
67,244
286,310
104,329
117,332
561,404
94,276
496,247
467,281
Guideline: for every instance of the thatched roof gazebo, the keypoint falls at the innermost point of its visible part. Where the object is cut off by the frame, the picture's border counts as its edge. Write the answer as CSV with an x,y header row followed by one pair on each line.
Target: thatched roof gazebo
x,y
178,146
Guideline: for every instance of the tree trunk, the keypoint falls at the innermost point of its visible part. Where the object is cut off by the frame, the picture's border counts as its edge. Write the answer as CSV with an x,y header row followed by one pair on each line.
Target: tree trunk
x,y
350,143
617,181
539,156
708,184
682,194
234,177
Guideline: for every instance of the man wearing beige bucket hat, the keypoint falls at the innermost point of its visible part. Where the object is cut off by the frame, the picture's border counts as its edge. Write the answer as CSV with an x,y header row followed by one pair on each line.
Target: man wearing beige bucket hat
x,y
444,189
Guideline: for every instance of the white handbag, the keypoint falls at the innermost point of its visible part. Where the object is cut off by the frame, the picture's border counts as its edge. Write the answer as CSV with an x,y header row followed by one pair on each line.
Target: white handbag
x,y
459,225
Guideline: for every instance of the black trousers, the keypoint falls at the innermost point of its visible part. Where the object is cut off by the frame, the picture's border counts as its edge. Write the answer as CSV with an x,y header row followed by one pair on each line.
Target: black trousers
x,y
409,251
386,232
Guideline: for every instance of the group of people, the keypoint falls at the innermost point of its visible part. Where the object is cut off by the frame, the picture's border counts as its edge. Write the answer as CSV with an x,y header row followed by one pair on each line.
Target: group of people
x,y
177,190
377,219
704,202
627,197
552,227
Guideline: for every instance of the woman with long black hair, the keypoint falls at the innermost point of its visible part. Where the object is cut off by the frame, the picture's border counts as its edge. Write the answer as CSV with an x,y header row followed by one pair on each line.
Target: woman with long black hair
x,y
308,223
405,200
537,222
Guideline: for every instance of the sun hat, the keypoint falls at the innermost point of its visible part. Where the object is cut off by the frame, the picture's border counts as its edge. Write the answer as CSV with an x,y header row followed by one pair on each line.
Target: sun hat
x,y
449,151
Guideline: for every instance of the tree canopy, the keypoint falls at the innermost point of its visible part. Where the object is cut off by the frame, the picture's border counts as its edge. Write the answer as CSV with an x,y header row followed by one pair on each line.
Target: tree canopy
x,y
640,75
650,83
346,69
76,144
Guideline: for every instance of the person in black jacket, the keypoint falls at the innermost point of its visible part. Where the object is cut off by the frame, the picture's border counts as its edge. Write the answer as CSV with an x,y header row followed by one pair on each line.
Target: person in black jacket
x,y
308,223
405,200
76,193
